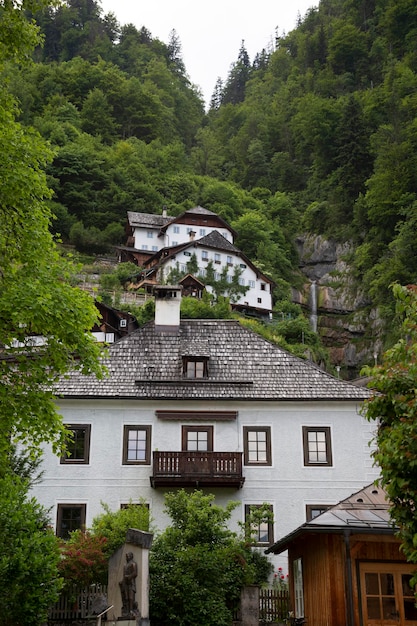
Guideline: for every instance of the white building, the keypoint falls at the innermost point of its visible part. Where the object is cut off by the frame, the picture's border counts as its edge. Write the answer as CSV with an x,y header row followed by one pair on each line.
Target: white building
x,y
222,254
160,244
206,404
150,233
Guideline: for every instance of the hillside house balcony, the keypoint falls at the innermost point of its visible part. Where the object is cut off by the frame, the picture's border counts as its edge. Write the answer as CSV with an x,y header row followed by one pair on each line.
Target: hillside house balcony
x,y
197,469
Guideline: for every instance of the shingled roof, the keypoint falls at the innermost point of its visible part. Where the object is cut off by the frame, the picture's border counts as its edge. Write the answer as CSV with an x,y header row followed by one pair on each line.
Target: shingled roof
x,y
366,511
217,241
148,364
147,219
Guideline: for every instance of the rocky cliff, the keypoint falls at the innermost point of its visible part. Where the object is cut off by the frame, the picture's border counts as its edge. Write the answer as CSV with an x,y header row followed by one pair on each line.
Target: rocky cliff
x,y
340,311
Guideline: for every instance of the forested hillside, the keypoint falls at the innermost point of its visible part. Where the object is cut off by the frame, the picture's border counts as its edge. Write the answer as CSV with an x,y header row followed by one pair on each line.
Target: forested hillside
x,y
316,136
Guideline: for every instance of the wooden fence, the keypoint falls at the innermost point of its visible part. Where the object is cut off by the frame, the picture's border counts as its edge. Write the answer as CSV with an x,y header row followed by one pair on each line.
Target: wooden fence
x,y
273,605
77,606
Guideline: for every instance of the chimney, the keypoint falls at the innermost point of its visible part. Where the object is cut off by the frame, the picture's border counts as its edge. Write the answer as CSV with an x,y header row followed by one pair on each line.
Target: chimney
x,y
167,307
192,235
164,211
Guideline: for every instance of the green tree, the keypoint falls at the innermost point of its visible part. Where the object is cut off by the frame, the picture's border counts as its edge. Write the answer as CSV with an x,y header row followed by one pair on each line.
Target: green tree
x,y
175,53
97,116
235,87
29,556
199,563
114,525
85,555
353,158
393,405
193,308
43,319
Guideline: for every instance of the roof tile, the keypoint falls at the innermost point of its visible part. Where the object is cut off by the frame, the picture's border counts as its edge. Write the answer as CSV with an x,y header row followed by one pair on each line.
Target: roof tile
x,y
242,366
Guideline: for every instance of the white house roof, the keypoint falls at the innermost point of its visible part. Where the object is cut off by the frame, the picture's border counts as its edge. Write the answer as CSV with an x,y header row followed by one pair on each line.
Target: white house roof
x,y
366,511
148,364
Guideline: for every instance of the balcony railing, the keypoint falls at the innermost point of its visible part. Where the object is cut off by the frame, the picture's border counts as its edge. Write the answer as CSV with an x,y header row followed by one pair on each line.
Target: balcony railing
x,y
197,469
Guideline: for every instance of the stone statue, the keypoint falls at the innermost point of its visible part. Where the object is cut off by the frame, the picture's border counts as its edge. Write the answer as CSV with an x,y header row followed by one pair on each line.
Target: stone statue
x,y
128,586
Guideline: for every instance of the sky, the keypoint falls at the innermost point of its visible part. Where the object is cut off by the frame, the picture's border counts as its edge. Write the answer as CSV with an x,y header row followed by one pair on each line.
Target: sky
x,y
211,33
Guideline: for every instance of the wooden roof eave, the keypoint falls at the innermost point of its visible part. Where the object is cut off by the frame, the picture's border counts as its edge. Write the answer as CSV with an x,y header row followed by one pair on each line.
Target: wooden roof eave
x,y
307,529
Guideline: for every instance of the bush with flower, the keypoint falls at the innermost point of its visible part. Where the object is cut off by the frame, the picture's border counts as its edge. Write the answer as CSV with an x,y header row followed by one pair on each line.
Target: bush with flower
x,y
85,555
280,580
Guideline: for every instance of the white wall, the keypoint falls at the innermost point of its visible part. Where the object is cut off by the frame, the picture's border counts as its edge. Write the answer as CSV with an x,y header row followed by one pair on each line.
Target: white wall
x,y
287,484
180,233
152,243
259,289
175,234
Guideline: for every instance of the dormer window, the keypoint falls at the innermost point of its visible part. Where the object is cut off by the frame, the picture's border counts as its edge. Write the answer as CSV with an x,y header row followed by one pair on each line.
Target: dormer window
x,y
195,367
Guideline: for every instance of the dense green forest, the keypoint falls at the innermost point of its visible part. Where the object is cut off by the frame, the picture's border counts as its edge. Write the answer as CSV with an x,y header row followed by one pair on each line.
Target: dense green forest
x,y
318,135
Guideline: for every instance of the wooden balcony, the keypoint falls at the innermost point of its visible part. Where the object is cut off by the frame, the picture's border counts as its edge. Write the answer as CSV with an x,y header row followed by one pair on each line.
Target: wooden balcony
x,y
197,469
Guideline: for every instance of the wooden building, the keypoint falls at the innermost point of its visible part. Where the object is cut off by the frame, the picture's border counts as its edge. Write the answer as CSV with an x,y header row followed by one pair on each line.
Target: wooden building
x,y
346,567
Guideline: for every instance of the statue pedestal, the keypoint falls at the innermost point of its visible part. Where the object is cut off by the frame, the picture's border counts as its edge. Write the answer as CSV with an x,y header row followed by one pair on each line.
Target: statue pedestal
x,y
138,543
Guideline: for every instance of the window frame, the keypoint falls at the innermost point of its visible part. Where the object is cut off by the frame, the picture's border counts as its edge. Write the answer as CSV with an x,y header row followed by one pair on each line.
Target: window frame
x,y
192,361
316,507
270,525
148,430
328,441
64,506
297,570
185,430
268,450
85,460
126,505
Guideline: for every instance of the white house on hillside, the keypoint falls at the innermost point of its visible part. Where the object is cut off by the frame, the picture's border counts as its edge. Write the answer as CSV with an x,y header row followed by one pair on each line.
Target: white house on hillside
x,y
150,233
211,405
222,254
159,244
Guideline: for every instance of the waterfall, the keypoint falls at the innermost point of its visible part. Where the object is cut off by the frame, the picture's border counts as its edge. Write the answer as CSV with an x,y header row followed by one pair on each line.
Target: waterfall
x,y
313,305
